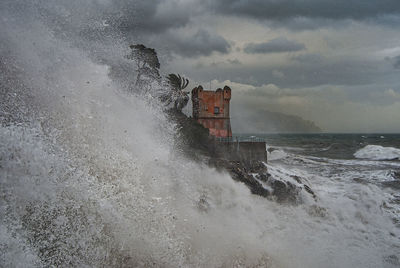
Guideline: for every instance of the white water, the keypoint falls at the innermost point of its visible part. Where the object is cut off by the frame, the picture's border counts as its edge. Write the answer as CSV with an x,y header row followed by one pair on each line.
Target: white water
x,y
276,154
90,177
377,152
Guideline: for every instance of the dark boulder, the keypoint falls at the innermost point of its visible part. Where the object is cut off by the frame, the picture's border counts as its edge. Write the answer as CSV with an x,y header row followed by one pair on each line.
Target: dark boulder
x,y
239,173
284,191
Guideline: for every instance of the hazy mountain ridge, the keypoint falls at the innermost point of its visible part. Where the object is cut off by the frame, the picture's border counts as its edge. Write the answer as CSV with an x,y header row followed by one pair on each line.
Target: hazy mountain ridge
x,y
266,122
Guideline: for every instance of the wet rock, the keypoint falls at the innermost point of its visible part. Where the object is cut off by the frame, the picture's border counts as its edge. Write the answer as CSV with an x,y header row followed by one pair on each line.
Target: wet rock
x,y
284,191
263,177
239,173
257,167
308,189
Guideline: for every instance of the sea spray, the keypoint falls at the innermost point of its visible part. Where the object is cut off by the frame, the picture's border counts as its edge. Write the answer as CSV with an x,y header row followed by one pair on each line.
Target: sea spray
x,y
90,177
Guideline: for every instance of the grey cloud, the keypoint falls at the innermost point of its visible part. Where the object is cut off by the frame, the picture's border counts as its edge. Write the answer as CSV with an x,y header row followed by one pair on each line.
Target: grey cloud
x,y
274,46
396,63
149,17
234,61
303,23
228,63
308,70
278,74
202,43
158,16
286,9
161,24
308,58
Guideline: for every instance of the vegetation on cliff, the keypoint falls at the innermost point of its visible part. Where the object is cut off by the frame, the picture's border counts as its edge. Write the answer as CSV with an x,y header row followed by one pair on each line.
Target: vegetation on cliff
x,y
176,94
170,90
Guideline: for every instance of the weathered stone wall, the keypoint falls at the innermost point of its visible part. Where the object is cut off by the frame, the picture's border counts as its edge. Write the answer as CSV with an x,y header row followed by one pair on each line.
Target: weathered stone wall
x,y
211,109
247,152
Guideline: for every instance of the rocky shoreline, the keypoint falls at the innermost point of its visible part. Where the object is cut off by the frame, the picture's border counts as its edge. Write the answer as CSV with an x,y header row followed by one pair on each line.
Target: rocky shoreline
x,y
193,137
260,182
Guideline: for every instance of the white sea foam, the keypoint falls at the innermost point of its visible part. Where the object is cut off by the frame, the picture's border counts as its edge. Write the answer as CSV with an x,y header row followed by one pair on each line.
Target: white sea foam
x,y
377,152
288,148
276,155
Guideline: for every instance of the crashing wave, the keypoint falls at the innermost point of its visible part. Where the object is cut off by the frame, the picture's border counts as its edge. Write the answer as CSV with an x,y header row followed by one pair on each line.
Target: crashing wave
x,y
276,155
377,152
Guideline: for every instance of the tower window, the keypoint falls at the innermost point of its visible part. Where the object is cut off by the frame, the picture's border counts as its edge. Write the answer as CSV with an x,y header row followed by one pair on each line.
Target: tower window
x,y
216,110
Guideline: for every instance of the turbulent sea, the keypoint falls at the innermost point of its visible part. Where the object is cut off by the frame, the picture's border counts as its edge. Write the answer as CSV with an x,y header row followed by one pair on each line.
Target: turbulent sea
x,y
356,176
90,175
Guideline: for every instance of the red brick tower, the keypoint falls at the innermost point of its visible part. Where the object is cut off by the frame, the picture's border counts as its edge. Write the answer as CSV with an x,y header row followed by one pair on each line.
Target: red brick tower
x,y
211,109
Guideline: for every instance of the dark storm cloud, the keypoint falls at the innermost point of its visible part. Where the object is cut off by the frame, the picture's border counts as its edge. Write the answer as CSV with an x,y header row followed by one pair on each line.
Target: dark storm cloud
x,y
161,24
287,9
202,43
308,70
158,16
274,46
149,17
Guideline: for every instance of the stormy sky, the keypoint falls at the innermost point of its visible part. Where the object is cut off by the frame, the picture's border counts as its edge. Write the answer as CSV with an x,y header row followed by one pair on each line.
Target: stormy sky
x,y
336,63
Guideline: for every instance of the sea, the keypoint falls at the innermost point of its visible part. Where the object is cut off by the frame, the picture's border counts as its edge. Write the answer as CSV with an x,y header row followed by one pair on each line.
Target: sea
x,y
358,172
90,174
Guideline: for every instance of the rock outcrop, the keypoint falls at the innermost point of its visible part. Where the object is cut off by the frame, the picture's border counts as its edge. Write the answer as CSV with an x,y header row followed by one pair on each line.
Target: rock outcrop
x,y
195,142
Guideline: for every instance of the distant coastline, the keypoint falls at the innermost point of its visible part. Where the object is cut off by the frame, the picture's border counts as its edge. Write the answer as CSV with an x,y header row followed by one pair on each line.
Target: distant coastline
x,y
272,122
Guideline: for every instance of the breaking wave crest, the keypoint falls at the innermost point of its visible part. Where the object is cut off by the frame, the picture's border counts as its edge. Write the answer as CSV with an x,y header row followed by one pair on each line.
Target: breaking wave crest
x,y
377,152
276,155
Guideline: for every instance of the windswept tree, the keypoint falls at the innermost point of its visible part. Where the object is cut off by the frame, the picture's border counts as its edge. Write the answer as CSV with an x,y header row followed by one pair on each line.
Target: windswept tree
x,y
147,65
176,93
147,68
